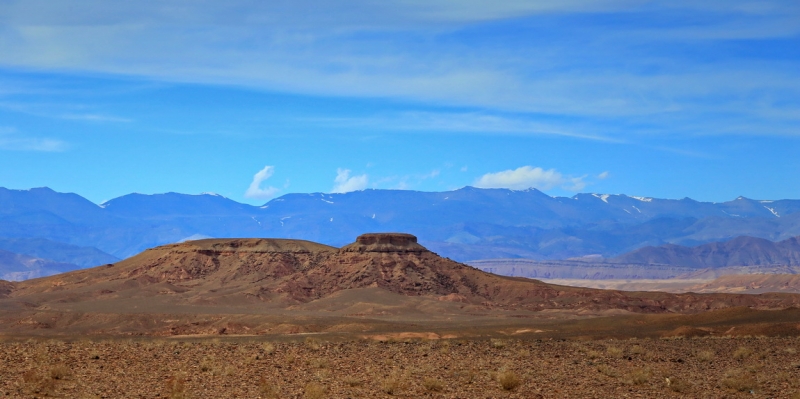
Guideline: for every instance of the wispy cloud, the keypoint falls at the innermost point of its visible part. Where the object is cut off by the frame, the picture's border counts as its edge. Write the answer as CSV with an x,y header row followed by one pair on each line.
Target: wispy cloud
x,y
650,65
529,177
32,144
344,183
255,191
95,118
468,122
60,111
11,139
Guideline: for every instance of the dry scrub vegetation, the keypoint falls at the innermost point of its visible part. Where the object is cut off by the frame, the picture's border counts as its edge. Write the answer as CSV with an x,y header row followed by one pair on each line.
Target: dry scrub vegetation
x,y
323,368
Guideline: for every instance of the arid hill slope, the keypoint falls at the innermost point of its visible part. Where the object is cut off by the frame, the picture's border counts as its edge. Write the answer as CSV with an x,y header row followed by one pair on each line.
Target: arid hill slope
x,y
378,275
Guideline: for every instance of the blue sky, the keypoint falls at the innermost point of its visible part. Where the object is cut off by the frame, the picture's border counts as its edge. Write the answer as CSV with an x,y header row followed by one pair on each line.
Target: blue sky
x,y
253,99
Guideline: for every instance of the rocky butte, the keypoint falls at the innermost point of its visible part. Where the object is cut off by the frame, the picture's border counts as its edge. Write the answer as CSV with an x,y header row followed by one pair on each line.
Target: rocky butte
x,y
261,286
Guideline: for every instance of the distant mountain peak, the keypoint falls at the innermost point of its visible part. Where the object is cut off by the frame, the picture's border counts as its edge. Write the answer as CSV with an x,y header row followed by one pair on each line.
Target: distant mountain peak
x,y
602,197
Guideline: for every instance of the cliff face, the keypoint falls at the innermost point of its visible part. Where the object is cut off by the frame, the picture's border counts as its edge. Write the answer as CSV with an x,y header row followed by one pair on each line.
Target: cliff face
x,y
385,242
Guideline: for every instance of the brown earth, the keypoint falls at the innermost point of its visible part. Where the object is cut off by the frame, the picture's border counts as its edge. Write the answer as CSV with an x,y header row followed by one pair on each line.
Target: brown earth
x,y
314,368
382,282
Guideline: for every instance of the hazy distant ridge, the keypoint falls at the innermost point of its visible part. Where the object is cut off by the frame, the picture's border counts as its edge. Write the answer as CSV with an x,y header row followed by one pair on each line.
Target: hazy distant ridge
x,y
740,251
463,224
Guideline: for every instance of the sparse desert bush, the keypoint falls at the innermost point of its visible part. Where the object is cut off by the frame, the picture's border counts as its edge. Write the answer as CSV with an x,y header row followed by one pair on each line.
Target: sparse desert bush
x,y
176,387
790,350
739,380
742,353
705,356
608,371
267,389
229,371
754,367
37,382
433,385
678,385
592,354
498,343
320,363
313,391
206,365
613,351
352,381
508,380
313,344
323,374
637,350
392,384
638,376
60,372
268,347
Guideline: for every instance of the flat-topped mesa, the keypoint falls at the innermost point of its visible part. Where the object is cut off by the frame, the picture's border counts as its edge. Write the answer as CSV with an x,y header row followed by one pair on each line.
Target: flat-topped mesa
x,y
244,245
385,242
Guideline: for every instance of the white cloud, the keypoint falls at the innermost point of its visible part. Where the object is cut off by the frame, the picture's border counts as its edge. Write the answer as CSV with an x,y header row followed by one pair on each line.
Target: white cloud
x,y
603,175
255,191
574,183
11,140
526,177
433,174
344,183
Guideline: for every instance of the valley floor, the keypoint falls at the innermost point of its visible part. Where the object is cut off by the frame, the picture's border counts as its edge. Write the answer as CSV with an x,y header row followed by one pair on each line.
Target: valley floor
x,y
318,367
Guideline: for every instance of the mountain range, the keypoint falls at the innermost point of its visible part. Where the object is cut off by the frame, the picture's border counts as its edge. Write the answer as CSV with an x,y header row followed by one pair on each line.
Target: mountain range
x,y
741,255
464,224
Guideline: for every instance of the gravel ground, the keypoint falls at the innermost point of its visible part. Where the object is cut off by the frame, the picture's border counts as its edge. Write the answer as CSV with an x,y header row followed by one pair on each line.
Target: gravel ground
x,y
415,368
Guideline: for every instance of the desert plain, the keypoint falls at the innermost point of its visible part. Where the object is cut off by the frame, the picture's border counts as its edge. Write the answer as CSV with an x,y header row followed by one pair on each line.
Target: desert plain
x,y
382,317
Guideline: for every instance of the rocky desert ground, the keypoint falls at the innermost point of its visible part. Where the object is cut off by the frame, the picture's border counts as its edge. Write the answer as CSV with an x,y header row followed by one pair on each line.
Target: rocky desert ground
x,y
402,367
